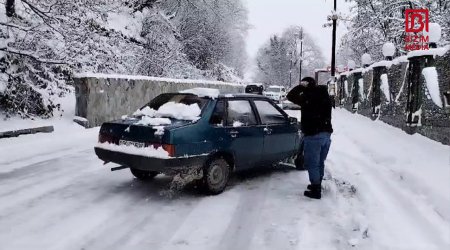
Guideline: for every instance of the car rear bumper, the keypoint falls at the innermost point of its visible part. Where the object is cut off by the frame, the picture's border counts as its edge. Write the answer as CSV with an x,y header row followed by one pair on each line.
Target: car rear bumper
x,y
166,166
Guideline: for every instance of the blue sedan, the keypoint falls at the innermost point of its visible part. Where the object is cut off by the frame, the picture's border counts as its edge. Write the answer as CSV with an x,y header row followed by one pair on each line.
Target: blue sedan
x,y
218,135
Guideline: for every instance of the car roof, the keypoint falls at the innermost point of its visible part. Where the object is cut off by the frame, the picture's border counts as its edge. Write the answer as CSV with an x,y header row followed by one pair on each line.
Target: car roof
x,y
242,95
229,96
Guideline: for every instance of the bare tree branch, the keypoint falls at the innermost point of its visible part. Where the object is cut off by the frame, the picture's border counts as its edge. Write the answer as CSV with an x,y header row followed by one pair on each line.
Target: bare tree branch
x,y
30,55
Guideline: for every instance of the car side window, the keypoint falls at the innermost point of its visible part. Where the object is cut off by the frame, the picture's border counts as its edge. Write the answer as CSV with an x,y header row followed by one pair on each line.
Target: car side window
x,y
269,114
218,114
240,114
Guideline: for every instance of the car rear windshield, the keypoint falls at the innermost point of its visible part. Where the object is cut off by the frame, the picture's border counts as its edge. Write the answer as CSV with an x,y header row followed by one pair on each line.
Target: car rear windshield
x,y
187,99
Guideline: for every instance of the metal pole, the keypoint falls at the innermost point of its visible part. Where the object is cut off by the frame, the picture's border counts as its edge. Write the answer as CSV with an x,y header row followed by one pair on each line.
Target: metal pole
x,y
290,74
333,50
301,54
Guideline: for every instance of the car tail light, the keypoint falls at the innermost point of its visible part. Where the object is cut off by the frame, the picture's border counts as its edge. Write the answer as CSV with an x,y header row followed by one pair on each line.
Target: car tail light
x,y
169,148
102,138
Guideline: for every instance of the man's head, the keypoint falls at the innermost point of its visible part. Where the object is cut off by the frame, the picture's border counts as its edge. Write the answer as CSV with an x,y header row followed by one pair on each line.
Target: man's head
x,y
308,82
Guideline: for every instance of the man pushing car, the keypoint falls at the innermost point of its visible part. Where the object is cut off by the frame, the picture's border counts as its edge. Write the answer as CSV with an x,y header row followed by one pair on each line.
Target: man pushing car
x,y
316,106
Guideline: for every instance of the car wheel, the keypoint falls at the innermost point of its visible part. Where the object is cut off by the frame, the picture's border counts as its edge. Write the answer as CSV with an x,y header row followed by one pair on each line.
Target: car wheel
x,y
216,175
143,175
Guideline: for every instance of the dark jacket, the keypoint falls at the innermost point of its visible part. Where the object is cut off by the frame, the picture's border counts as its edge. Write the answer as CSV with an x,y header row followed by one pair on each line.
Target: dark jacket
x,y
315,103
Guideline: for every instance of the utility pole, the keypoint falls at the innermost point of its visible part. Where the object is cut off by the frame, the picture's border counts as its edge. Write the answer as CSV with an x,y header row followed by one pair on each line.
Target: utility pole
x,y
301,54
290,72
334,17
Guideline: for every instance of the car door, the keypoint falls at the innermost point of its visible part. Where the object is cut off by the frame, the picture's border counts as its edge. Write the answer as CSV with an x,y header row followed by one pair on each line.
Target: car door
x,y
245,137
279,135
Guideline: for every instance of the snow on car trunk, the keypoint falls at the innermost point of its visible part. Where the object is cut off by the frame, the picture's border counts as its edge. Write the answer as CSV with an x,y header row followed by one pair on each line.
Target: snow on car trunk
x,y
149,151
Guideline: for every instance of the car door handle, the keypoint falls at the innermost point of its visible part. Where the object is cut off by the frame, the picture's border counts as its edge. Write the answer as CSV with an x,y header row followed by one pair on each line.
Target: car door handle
x,y
268,131
234,133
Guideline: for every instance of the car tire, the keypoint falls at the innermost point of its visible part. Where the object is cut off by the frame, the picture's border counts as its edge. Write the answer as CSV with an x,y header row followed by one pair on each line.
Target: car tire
x,y
143,175
216,175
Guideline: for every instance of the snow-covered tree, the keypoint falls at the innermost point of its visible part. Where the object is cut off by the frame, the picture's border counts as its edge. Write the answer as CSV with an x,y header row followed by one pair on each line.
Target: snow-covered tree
x,y
374,22
278,61
43,42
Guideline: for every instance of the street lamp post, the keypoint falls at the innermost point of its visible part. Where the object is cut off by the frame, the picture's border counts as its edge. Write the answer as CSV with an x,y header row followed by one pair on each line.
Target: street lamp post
x,y
333,49
366,60
389,51
301,54
434,34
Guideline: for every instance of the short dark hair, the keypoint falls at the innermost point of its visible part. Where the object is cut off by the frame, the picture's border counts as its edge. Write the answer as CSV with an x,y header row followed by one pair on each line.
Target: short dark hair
x,y
311,81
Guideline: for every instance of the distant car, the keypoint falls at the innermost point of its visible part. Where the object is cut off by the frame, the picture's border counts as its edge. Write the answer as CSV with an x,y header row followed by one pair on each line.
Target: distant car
x,y
231,133
254,89
276,93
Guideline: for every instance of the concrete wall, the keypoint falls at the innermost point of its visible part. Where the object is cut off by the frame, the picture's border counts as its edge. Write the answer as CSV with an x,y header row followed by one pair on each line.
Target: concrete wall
x,y
410,95
101,98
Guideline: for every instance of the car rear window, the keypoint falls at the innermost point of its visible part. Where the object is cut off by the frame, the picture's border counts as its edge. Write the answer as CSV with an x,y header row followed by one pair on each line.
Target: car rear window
x,y
187,99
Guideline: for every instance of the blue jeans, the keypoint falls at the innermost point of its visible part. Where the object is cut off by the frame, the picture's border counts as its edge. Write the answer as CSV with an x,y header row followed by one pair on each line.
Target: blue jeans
x,y
315,151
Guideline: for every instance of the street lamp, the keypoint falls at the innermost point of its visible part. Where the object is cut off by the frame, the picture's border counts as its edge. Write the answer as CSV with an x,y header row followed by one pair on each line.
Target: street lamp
x,y
389,51
434,34
366,60
351,65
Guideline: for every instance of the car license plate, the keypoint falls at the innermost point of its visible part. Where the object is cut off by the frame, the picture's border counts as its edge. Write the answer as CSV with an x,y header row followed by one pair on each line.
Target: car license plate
x,y
132,143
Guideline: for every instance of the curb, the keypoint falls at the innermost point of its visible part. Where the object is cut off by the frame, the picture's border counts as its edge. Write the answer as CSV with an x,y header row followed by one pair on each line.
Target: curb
x,y
15,133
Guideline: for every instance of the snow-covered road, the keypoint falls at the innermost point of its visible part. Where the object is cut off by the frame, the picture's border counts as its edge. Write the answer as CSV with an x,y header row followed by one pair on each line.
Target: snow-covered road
x,y
384,190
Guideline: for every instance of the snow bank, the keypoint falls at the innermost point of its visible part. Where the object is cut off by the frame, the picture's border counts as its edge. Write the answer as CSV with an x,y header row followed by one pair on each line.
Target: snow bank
x,y
132,150
430,52
151,78
400,59
431,80
385,87
386,64
203,92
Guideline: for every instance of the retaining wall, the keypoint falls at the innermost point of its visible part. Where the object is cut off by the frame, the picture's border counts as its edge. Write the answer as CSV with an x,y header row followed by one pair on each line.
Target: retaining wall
x,y
411,107
101,98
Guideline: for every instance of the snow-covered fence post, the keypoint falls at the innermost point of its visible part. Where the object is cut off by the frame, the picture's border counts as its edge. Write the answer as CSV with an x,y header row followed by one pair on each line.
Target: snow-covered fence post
x,y
375,93
414,87
356,89
342,89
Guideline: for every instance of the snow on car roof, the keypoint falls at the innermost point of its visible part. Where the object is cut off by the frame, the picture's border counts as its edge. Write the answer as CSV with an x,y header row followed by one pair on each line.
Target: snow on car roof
x,y
202,92
276,86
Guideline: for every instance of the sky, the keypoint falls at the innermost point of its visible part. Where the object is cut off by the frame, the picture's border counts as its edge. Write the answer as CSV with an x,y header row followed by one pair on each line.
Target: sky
x,y
269,17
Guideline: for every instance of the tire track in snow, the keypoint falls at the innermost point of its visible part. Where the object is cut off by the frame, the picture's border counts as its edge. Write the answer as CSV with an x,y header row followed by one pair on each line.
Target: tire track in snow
x,y
204,226
38,174
245,218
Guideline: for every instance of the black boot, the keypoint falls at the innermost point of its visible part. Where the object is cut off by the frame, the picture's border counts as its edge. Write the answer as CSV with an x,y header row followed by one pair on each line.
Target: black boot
x,y
315,192
309,187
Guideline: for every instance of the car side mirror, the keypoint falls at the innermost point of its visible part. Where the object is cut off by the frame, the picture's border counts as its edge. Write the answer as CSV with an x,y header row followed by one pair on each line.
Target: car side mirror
x,y
293,120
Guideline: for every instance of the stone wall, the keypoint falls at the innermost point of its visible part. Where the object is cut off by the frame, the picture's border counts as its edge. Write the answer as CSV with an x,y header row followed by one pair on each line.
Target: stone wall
x,y
409,105
101,98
